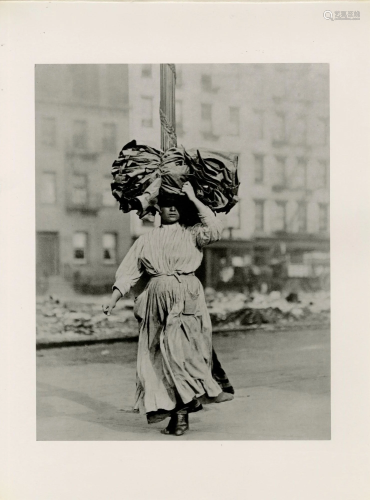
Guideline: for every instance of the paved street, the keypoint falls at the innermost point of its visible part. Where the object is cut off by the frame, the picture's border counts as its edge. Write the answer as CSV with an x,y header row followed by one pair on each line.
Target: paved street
x,y
282,382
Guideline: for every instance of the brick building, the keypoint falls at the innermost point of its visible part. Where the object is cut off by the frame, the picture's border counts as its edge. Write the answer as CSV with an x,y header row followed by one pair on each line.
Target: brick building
x,y
82,119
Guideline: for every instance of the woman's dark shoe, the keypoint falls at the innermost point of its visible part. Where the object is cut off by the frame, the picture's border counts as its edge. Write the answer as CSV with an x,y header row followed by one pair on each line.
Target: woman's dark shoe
x,y
170,429
182,424
178,424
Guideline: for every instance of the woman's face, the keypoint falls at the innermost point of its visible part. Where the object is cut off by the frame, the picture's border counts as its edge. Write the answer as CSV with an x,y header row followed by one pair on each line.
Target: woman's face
x,y
170,214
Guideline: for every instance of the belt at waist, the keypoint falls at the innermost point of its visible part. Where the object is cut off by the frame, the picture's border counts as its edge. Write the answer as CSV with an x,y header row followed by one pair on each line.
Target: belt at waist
x,y
175,274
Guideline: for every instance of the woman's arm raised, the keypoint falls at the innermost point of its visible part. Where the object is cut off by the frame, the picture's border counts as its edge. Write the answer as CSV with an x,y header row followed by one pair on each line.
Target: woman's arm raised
x,y
189,191
210,229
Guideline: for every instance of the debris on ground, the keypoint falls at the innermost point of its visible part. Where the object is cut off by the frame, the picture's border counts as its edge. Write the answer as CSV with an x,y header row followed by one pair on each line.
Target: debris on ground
x,y
72,320
237,309
81,318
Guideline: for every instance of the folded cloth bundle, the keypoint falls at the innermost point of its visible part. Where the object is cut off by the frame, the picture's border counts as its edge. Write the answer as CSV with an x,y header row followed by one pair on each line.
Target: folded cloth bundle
x,y
135,169
215,178
141,174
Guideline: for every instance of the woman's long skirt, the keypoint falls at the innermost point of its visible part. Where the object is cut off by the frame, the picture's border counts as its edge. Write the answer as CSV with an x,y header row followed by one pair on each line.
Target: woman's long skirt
x,y
175,346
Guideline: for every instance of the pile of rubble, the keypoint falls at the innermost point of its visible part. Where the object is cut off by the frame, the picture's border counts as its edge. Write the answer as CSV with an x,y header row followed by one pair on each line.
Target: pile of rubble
x,y
73,320
79,319
231,309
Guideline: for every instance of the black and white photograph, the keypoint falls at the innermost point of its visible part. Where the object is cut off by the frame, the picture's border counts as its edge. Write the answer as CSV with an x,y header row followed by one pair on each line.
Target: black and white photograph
x,y
182,246
184,250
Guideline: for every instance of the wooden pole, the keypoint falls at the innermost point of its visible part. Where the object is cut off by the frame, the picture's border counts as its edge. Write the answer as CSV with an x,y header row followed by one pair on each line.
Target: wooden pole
x,y
167,109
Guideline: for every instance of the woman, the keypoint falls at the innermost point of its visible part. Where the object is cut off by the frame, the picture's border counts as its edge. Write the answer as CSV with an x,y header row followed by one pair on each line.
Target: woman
x,y
175,342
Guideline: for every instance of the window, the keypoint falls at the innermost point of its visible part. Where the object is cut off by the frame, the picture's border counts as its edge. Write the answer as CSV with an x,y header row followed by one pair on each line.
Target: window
x,y
80,247
300,173
258,119
280,173
296,257
179,118
206,116
259,215
206,83
48,131
279,216
279,127
302,217
147,112
108,200
146,70
110,248
48,188
323,217
234,120
322,174
258,169
300,131
109,142
79,190
80,134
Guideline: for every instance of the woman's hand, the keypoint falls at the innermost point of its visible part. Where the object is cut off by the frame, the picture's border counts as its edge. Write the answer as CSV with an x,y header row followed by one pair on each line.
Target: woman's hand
x,y
109,306
188,189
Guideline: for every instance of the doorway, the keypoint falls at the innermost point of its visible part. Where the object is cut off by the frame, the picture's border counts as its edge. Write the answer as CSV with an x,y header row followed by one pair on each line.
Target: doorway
x,y
47,254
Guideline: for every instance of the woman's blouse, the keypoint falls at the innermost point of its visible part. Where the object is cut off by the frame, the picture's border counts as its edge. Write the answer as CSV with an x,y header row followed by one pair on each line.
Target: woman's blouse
x,y
171,249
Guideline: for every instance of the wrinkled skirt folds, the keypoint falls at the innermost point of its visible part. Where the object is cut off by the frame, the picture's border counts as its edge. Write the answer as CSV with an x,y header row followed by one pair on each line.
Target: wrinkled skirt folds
x,y
175,345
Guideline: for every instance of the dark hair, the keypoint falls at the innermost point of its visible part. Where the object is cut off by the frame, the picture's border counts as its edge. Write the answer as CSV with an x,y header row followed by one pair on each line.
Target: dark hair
x,y
169,201
188,213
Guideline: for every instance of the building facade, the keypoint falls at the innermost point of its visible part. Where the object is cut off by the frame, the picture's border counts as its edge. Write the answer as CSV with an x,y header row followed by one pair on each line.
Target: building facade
x,y
276,118
82,120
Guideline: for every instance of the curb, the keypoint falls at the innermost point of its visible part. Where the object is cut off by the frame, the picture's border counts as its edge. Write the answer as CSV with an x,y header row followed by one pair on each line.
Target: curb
x,y
82,342
220,330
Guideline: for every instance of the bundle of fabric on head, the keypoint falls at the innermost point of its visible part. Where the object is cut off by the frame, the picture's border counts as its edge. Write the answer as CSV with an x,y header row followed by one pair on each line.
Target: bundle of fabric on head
x,y
144,178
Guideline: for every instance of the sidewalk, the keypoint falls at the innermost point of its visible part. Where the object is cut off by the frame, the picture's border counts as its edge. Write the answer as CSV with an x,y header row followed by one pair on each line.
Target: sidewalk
x,y
282,387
